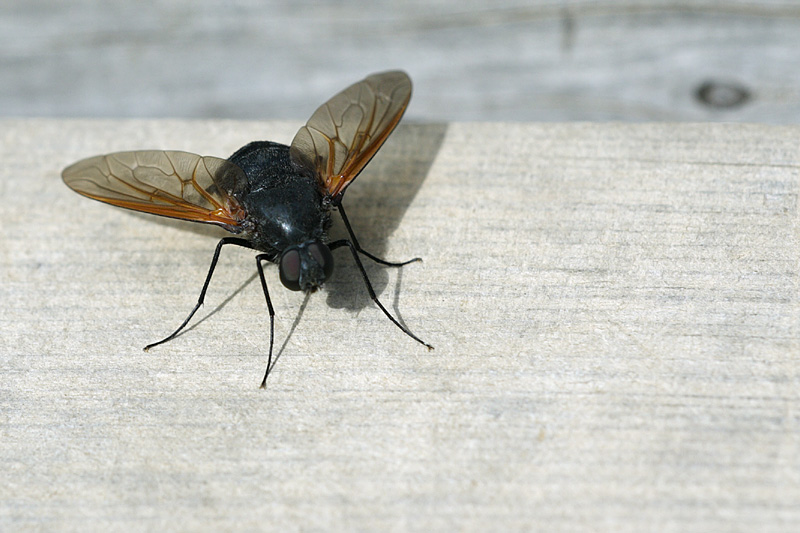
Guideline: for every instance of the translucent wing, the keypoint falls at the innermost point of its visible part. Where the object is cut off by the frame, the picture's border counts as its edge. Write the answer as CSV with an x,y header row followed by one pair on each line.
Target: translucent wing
x,y
345,132
171,184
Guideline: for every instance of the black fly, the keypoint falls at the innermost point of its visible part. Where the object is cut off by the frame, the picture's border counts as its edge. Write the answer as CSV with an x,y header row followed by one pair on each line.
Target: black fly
x,y
277,199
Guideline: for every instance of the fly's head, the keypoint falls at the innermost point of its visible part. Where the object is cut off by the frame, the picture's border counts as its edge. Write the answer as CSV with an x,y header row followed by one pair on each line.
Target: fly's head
x,y
305,267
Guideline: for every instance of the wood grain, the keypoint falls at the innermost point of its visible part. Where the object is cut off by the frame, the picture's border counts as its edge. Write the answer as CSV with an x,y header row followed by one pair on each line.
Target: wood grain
x,y
614,309
490,61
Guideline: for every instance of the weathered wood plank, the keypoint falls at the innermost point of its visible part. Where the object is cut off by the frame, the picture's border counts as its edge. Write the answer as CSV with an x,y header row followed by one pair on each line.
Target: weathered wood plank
x,y
614,310
501,60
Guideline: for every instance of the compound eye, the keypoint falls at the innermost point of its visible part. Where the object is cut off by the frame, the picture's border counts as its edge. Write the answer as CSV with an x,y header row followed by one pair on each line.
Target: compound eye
x,y
323,256
289,269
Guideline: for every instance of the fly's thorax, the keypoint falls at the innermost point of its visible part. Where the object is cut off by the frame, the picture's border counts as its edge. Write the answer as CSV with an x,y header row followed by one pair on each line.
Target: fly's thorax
x,y
287,216
284,206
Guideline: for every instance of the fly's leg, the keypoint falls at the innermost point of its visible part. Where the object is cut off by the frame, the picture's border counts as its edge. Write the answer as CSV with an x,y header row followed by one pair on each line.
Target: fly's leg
x,y
355,249
366,253
259,259
220,244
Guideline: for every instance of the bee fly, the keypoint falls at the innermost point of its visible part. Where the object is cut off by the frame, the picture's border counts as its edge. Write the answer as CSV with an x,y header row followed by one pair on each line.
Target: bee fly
x,y
275,199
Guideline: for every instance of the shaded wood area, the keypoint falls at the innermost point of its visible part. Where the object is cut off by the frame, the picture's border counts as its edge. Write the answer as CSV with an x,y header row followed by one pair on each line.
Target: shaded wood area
x,y
487,61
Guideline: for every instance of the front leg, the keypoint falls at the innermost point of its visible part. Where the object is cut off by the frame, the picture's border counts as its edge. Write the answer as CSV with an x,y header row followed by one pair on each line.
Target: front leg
x,y
259,259
366,253
354,250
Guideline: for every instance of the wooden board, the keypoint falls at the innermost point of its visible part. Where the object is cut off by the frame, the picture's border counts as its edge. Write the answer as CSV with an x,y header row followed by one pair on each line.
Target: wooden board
x,y
614,310
491,61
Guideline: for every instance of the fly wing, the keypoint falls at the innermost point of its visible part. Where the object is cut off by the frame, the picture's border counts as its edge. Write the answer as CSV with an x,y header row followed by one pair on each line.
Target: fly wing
x,y
345,132
171,184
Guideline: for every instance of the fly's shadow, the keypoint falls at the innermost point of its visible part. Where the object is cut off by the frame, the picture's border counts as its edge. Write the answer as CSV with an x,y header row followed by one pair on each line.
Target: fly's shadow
x,y
376,208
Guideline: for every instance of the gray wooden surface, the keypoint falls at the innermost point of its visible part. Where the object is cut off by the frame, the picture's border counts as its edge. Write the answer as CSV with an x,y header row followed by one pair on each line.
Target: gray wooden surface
x,y
470,60
614,309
